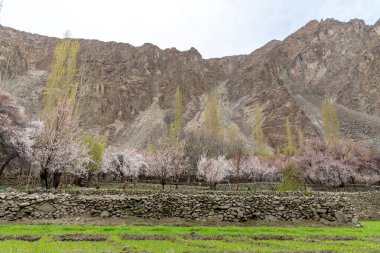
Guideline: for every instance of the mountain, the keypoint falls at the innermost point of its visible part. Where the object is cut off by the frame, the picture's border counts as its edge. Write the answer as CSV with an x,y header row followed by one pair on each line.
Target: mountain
x,y
128,91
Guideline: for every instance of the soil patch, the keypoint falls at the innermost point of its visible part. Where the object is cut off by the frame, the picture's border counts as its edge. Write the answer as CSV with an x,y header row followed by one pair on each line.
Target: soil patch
x,y
196,236
334,237
314,251
29,238
136,221
80,237
270,237
146,237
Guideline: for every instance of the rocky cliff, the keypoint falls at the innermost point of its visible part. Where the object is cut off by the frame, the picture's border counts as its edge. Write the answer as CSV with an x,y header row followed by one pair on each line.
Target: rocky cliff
x,y
128,91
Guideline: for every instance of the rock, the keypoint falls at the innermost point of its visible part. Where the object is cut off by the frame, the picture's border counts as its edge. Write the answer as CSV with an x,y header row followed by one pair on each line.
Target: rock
x,y
340,217
271,218
24,204
15,209
326,222
240,215
104,214
222,207
10,189
46,208
355,220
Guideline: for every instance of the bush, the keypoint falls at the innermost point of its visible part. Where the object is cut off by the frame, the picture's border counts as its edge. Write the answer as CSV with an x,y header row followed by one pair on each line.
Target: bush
x,y
291,179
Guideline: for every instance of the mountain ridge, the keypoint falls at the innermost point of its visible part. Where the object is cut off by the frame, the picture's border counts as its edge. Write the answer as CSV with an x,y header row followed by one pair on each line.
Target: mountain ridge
x,y
127,87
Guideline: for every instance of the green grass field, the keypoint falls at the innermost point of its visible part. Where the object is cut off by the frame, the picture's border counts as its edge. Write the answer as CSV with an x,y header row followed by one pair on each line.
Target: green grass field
x,y
65,238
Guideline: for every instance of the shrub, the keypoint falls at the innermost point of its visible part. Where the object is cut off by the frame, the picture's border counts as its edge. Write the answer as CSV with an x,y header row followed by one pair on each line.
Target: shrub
x,y
291,179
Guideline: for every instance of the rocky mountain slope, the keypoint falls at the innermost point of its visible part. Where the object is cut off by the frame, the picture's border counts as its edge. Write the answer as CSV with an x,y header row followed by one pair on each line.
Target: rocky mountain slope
x,y
128,91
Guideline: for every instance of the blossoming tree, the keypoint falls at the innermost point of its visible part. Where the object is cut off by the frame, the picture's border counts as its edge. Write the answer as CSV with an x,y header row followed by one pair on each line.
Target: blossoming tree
x,y
213,170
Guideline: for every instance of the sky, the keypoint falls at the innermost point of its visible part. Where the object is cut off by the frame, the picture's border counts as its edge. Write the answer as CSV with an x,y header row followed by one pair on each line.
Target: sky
x,y
215,28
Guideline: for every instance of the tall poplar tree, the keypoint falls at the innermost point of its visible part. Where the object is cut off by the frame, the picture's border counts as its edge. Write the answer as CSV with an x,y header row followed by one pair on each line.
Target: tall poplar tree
x,y
62,84
330,122
176,125
212,126
289,149
258,133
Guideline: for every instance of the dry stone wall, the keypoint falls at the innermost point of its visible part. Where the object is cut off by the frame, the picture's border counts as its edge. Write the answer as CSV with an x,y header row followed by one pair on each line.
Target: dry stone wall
x,y
327,208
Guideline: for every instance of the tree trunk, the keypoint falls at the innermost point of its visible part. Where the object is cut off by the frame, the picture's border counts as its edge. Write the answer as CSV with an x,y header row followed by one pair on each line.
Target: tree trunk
x,y
122,178
78,181
238,159
6,163
56,179
88,183
44,178
163,184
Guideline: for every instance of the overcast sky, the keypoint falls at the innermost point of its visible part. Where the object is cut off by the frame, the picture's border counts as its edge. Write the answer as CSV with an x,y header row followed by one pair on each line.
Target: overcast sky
x,y
214,27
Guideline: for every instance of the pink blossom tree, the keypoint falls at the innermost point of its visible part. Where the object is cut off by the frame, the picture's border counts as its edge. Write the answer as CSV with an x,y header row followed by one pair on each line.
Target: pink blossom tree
x,y
343,162
123,162
213,170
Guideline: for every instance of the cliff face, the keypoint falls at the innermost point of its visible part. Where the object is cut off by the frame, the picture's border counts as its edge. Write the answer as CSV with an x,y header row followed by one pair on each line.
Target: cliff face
x,y
128,91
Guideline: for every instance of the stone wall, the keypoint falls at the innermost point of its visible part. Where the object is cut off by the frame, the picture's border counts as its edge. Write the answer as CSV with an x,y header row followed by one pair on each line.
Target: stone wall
x,y
327,208
367,204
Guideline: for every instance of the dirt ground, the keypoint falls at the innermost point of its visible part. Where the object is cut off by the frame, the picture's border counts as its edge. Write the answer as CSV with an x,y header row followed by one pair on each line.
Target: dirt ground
x,y
135,221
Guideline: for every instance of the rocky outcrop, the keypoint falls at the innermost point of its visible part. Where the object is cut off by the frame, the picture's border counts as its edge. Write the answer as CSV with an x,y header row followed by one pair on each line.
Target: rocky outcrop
x,y
130,89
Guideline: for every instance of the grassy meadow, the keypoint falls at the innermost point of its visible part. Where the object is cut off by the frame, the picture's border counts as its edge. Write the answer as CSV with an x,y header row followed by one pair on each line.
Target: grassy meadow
x,y
95,238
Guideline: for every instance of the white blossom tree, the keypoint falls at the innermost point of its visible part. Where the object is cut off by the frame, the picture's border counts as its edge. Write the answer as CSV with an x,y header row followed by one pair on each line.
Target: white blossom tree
x,y
123,162
213,170
167,162
60,148
259,169
17,133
